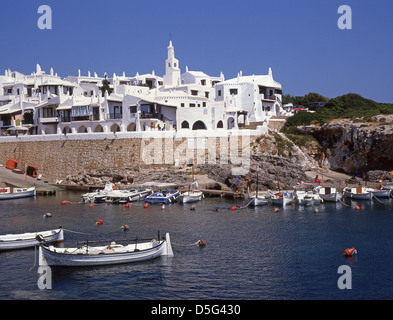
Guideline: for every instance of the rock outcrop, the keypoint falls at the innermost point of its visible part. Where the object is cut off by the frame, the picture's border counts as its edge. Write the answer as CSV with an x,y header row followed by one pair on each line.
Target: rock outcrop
x,y
355,146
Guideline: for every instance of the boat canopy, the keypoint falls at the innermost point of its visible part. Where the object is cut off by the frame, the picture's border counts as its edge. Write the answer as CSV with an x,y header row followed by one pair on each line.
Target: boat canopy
x,y
31,171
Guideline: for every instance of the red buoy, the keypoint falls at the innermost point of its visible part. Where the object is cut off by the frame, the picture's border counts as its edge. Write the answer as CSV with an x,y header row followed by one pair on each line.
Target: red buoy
x,y
99,221
91,204
125,227
357,207
233,208
127,205
202,242
64,202
146,205
276,209
349,252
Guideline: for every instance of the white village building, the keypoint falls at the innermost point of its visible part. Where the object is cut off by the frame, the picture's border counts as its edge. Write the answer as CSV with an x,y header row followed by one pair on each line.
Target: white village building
x,y
41,103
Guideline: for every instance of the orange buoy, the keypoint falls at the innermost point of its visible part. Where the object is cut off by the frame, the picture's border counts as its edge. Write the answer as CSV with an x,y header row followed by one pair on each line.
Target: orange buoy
x,y
349,252
202,242
127,205
357,207
276,209
64,202
99,221
163,207
91,204
146,205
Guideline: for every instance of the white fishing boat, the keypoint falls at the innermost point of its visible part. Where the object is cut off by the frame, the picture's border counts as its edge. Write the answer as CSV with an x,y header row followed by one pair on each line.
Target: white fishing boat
x,y
190,196
258,200
280,198
112,253
312,198
98,195
127,195
8,193
26,240
379,193
358,193
329,194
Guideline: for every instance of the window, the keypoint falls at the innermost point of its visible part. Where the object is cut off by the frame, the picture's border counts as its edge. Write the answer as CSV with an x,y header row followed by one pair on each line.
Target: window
x,y
132,109
232,91
219,93
204,104
182,105
192,105
207,95
194,92
203,82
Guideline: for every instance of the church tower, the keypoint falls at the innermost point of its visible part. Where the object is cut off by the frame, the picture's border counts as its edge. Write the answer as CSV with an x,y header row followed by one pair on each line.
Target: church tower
x,y
172,70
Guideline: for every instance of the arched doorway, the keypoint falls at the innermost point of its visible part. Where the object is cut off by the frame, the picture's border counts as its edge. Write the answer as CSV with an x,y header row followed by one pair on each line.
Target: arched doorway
x,y
220,125
98,128
82,129
231,123
199,125
131,127
115,127
185,125
66,130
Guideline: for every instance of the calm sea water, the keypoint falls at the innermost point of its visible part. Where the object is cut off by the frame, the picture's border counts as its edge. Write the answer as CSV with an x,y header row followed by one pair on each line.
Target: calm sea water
x,y
252,253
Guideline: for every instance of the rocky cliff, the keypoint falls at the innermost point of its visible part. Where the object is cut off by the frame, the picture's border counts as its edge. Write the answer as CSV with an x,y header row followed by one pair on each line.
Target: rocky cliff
x,y
355,146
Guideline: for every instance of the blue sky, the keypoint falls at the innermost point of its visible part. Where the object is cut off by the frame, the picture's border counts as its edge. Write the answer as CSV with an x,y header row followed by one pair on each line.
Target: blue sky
x,y
300,40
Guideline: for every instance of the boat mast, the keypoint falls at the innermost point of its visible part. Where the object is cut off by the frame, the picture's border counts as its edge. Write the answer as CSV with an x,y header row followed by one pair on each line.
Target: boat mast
x,y
256,195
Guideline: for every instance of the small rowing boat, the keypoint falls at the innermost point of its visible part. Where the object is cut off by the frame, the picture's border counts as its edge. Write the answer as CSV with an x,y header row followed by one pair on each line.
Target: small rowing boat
x,y
26,240
112,253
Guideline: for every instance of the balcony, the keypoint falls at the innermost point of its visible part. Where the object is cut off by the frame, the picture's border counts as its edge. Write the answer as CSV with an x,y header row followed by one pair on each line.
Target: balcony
x,y
114,116
49,120
145,115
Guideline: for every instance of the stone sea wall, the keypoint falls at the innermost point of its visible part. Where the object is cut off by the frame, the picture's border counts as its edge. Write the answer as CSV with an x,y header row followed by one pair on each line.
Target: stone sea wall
x,y
58,157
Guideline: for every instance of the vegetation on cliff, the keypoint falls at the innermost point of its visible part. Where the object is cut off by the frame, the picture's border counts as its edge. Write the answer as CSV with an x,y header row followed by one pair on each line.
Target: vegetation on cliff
x,y
348,106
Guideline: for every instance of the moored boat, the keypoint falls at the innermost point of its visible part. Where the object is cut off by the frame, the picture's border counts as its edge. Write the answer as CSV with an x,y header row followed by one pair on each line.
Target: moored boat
x,y
379,193
190,196
329,194
8,193
258,201
112,253
359,193
168,196
26,240
127,195
281,198
98,195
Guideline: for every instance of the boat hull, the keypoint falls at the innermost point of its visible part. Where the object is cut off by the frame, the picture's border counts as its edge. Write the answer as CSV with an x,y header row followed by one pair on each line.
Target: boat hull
x,y
358,196
189,197
101,256
28,240
258,201
161,198
17,193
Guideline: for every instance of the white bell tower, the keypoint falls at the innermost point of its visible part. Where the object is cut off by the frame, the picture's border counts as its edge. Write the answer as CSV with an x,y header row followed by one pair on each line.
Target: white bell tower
x,y
172,70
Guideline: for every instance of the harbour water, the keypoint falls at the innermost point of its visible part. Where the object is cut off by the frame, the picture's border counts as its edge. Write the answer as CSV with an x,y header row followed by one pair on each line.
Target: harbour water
x,y
250,253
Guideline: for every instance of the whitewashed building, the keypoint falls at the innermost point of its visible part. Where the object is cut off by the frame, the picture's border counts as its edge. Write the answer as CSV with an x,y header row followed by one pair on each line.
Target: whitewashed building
x,y
41,103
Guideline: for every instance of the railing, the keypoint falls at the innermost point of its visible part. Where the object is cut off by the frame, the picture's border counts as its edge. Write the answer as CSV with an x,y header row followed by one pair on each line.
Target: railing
x,y
145,115
115,116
